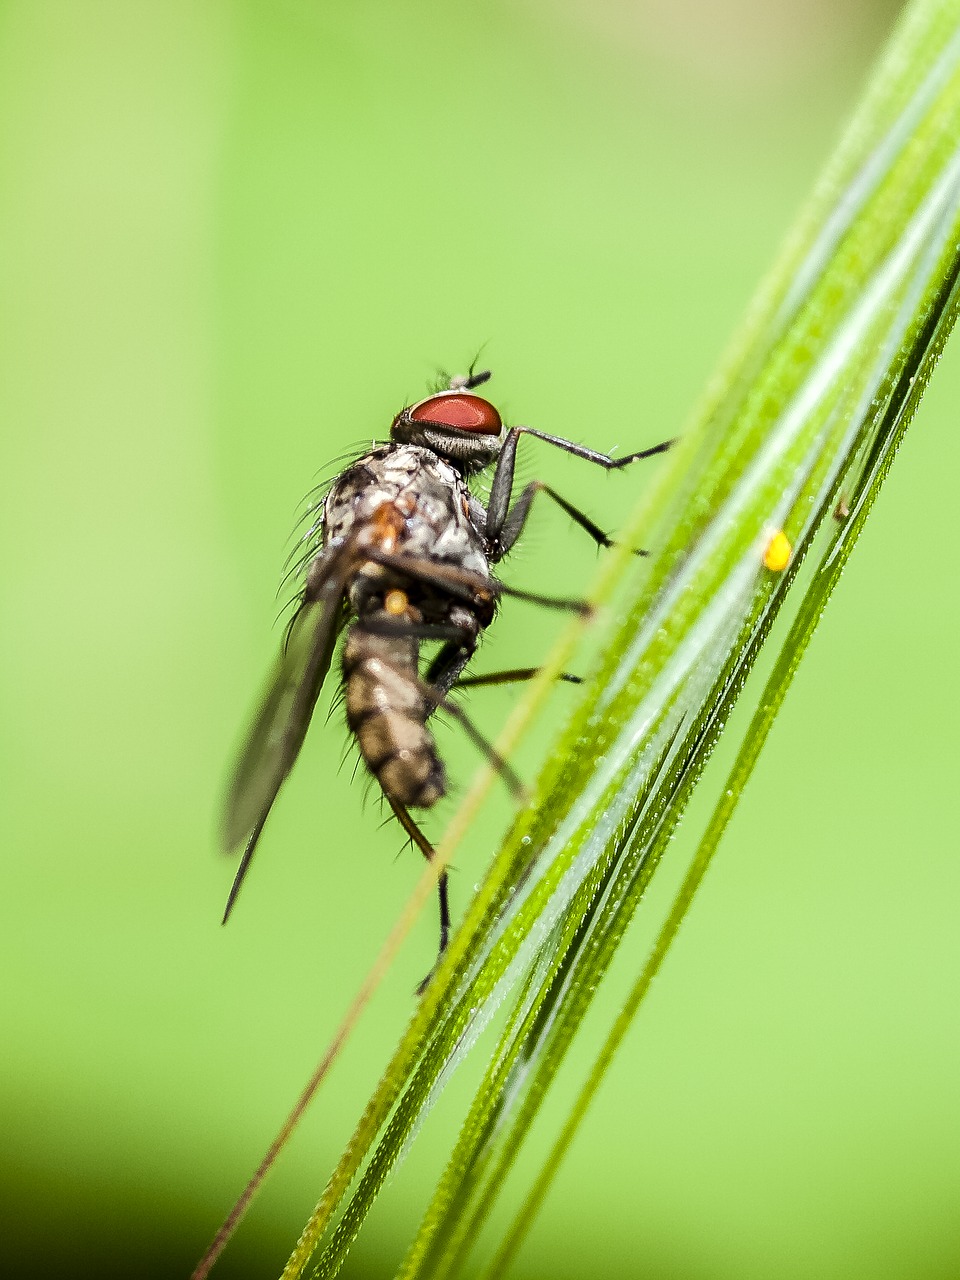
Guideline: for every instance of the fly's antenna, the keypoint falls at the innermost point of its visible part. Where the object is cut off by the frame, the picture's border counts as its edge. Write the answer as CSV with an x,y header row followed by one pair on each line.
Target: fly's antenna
x,y
474,379
471,379
467,381
460,381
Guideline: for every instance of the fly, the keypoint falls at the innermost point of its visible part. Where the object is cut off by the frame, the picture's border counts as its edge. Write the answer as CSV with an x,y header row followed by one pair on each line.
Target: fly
x,y
405,558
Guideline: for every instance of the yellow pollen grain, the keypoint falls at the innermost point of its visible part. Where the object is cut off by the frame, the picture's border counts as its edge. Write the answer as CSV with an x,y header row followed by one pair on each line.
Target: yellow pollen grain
x,y
778,552
395,602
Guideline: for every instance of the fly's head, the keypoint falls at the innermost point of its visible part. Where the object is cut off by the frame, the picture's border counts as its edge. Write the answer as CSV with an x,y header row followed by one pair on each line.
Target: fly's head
x,y
462,428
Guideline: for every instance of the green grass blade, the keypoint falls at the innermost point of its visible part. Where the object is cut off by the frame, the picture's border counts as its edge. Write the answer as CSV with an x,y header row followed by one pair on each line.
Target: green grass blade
x,y
929,344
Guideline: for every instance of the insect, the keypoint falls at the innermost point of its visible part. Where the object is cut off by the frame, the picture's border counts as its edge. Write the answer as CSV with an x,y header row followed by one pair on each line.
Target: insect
x,y
404,558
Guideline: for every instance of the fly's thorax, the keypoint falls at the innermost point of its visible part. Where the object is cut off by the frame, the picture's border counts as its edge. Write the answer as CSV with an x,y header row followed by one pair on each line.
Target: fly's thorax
x,y
377,478
431,513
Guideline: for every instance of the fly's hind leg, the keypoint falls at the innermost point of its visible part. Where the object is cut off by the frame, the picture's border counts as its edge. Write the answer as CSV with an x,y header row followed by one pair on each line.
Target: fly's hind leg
x,y
428,851
447,667
483,745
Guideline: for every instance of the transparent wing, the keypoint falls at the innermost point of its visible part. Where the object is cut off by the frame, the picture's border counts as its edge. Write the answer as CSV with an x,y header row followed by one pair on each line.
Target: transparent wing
x,y
284,716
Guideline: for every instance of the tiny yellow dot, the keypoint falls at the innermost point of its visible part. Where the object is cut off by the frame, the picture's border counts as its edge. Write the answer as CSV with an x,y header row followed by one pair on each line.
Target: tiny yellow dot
x,y
396,602
778,552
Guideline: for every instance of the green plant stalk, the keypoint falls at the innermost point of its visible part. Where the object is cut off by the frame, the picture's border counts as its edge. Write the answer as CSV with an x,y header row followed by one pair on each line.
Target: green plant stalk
x,y
442,1251
912,382
449,1227
783,424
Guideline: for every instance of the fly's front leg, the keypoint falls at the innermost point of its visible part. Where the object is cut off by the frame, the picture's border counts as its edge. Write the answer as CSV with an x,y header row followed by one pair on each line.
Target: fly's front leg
x,y
505,523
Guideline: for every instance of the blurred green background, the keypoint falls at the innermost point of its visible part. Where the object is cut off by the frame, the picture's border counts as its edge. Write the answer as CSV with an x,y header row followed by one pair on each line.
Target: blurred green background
x,y
235,237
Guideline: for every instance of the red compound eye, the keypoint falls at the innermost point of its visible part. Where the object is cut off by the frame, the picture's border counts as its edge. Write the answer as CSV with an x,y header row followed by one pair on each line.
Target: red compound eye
x,y
461,411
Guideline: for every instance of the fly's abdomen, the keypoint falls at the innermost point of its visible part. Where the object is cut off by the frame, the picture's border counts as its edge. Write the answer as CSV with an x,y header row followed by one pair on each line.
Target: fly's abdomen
x,y
387,712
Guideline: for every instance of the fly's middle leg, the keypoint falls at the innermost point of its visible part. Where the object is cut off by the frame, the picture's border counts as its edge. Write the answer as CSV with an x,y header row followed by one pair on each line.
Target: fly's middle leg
x,y
516,675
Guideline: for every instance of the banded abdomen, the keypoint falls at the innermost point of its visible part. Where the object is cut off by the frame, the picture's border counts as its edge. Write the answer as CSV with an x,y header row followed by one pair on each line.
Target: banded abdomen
x,y
387,711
